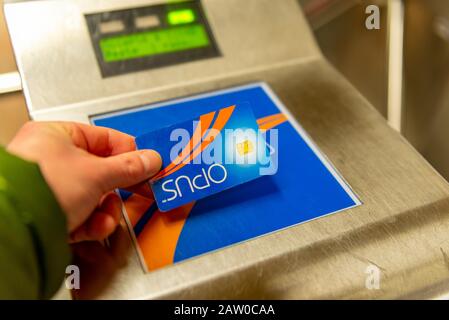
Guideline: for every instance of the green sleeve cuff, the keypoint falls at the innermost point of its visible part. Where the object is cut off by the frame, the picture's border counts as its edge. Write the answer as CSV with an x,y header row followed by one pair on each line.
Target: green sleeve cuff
x,y
40,212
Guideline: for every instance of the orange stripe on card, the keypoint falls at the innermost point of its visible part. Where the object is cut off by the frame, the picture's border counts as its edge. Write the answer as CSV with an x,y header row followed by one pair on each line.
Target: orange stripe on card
x,y
201,128
223,117
273,123
269,118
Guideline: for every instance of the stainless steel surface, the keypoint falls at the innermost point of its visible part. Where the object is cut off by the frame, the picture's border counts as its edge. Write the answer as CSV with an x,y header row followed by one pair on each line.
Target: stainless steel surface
x,y
323,12
426,79
402,227
63,76
359,54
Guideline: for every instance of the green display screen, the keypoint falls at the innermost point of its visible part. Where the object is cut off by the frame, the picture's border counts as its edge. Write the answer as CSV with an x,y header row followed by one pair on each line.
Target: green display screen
x,y
155,42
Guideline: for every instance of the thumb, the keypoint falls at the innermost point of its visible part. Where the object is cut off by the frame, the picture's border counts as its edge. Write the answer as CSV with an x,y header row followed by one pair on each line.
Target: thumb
x,y
128,169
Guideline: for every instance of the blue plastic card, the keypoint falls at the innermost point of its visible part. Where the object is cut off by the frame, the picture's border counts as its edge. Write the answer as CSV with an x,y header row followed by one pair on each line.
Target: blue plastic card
x,y
208,154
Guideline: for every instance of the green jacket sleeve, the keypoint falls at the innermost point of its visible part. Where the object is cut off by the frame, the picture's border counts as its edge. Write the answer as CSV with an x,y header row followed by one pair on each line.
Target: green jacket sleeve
x,y
33,238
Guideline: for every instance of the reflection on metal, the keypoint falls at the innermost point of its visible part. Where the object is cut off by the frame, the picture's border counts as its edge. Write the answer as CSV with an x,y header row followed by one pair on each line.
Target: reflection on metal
x,y
426,82
358,53
322,12
10,82
395,62
441,27
334,21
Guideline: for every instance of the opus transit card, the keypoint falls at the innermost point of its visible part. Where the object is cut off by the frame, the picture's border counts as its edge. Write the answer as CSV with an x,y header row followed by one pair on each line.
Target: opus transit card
x,y
304,185
206,155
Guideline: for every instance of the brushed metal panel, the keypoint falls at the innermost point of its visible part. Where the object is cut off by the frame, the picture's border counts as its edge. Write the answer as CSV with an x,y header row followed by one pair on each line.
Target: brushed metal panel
x,y
426,80
58,66
402,227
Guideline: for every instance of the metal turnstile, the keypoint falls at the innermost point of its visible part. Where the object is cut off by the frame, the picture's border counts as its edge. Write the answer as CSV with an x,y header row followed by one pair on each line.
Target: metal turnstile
x,y
401,230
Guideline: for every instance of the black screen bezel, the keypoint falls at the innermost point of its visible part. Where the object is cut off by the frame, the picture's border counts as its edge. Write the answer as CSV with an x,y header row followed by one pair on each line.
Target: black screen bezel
x,y
127,16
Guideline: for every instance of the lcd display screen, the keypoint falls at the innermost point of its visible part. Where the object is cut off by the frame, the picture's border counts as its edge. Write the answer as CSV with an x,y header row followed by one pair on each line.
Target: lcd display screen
x,y
149,43
150,37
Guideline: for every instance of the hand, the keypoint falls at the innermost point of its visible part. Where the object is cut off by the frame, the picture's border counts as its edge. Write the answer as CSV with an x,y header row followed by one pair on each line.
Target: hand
x,y
83,165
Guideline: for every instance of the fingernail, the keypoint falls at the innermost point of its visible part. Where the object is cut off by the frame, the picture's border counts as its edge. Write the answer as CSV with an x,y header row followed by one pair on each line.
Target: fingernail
x,y
151,161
